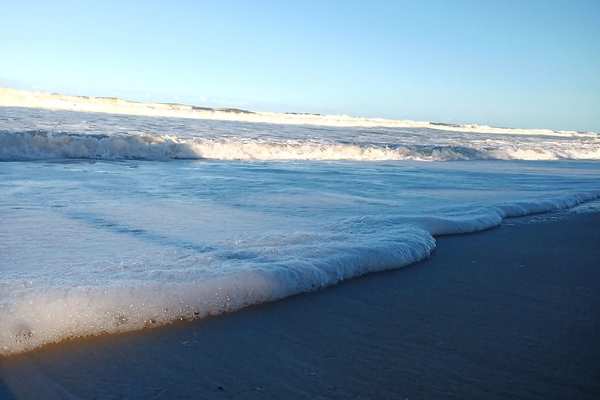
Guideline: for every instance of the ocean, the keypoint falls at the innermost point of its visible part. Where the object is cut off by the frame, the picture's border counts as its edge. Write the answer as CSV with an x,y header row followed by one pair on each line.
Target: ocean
x,y
112,223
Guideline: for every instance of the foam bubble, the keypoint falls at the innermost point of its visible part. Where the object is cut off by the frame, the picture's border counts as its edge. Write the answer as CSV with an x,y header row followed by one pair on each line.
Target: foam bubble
x,y
33,317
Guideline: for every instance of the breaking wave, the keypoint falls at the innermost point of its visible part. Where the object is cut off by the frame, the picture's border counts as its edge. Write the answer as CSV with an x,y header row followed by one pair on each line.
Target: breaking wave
x,y
114,105
42,145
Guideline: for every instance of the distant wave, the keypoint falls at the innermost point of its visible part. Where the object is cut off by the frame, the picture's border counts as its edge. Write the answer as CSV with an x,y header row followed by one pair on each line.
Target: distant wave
x,y
114,105
42,145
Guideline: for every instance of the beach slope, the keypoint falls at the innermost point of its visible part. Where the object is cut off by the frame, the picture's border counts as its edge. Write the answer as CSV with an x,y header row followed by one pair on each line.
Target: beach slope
x,y
508,313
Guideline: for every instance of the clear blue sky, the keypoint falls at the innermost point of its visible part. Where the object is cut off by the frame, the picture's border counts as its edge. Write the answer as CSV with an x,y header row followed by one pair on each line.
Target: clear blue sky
x,y
510,63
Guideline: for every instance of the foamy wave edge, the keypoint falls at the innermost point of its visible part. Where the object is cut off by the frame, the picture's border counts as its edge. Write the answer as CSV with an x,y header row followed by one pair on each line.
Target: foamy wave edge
x,y
60,314
44,145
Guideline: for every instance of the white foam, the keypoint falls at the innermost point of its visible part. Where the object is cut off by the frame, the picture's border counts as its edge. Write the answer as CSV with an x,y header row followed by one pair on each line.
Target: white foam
x,y
93,248
31,317
19,98
40,145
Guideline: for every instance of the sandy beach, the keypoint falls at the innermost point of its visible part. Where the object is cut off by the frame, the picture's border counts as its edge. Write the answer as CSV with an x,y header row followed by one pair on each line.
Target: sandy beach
x,y
300,200
507,313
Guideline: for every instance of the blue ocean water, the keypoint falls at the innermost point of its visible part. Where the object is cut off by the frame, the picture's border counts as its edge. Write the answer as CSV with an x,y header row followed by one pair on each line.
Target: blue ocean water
x,y
114,223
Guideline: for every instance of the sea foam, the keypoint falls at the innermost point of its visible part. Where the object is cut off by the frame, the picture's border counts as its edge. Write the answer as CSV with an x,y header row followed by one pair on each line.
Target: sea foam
x,y
88,248
41,145
33,316
113,105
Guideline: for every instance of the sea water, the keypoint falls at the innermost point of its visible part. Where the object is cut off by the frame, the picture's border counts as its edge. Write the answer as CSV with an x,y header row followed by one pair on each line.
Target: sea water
x,y
111,223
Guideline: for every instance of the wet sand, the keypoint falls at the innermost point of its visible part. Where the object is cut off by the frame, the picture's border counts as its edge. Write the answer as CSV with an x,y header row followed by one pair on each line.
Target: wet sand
x,y
513,312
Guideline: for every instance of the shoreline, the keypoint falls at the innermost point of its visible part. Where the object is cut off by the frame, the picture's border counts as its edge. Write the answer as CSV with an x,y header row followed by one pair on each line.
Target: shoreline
x,y
467,330
511,214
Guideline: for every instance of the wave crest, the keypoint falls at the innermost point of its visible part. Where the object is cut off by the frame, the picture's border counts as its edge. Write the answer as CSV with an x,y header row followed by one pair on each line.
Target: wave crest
x,y
41,145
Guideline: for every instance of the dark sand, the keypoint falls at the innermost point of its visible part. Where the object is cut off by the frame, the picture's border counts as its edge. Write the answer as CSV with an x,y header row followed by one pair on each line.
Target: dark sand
x,y
513,312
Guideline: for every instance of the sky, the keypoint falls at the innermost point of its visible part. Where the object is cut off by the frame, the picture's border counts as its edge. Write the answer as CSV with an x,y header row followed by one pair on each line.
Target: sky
x,y
504,63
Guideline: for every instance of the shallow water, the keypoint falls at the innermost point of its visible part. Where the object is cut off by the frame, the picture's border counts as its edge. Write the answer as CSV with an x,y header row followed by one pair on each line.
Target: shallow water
x,y
106,243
